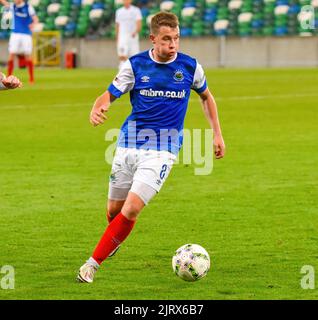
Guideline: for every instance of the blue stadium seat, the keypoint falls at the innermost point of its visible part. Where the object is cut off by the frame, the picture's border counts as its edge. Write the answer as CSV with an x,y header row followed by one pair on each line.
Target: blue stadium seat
x,y
71,26
185,32
282,2
294,8
98,6
281,31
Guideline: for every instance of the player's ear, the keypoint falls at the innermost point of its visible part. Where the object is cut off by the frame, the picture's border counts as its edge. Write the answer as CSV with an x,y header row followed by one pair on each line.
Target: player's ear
x,y
152,38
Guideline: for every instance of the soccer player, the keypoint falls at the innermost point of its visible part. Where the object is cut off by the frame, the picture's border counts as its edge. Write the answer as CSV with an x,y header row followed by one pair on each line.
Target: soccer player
x,y
159,81
128,25
20,43
10,82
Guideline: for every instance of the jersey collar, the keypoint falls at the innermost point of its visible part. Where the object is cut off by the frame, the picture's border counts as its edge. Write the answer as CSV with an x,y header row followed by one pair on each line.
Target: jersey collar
x,y
20,5
153,59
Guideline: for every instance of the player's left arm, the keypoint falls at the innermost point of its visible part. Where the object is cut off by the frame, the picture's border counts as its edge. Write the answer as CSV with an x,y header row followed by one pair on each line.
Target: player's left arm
x,y
34,17
211,113
138,23
5,3
138,28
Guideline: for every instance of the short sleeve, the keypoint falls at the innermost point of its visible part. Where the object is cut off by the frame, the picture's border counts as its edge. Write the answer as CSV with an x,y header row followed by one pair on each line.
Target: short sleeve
x,y
10,9
138,14
199,81
124,81
31,11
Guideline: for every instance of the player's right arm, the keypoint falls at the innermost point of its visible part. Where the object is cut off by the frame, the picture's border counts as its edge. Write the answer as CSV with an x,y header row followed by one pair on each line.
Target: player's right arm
x,y
116,31
116,25
100,106
5,3
10,82
34,17
123,82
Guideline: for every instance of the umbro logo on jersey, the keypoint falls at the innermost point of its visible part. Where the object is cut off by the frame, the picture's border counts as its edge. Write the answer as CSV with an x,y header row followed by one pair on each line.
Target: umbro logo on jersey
x,y
178,75
145,79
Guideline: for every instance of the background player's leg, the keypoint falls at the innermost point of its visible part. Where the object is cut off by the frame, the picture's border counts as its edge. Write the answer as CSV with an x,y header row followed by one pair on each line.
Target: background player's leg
x,y
29,63
10,64
134,47
21,61
14,44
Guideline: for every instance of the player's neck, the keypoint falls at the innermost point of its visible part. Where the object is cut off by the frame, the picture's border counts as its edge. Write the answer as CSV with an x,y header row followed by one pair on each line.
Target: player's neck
x,y
20,4
157,58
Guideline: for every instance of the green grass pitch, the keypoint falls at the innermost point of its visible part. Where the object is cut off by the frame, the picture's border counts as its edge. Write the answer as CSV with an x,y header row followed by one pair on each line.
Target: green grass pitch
x,y
256,214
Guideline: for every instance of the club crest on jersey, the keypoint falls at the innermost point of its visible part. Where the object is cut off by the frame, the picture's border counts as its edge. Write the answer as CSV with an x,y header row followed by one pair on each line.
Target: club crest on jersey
x,y
178,75
145,79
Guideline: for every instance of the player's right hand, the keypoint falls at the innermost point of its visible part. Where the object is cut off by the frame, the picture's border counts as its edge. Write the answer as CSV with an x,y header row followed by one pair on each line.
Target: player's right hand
x,y
11,82
97,115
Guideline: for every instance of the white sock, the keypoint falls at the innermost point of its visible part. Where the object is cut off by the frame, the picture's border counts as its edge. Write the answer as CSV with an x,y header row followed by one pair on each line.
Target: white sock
x,y
93,262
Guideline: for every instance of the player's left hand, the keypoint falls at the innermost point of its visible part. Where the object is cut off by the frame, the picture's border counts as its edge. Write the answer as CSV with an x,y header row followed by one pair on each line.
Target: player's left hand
x,y
32,26
219,147
12,82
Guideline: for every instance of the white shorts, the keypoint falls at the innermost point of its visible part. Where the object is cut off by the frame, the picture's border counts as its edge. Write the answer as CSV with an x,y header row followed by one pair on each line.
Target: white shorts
x,y
20,43
127,47
130,165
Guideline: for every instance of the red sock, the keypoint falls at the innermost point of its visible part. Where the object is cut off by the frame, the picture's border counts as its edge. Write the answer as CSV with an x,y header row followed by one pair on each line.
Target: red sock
x,y
116,232
30,68
109,218
10,67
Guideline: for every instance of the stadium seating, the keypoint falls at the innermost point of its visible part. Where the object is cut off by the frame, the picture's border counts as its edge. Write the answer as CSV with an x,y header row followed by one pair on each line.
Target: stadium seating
x,y
95,18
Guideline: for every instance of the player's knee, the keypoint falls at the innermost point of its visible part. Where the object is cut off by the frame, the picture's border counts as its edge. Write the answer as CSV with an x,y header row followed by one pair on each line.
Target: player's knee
x,y
131,210
114,207
143,192
112,212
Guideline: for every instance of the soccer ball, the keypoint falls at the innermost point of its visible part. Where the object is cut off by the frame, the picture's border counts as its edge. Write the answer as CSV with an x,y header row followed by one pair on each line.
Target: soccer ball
x,y
191,262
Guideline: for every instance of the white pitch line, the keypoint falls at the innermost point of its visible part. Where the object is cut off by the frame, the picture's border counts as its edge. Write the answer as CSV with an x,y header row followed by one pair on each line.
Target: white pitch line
x,y
89,104
60,87
56,105
281,96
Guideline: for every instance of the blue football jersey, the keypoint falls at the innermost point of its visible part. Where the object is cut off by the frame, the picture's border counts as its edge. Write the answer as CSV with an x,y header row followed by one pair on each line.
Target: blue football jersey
x,y
22,18
159,95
